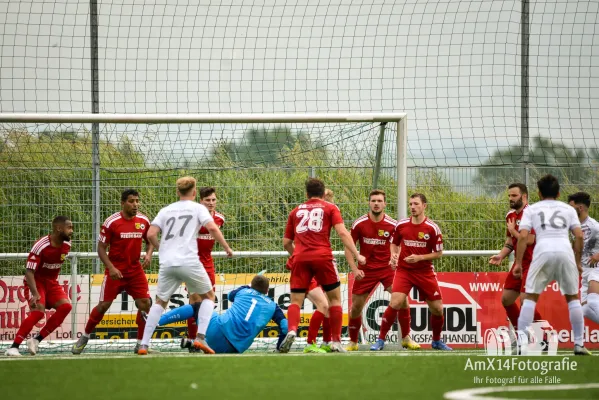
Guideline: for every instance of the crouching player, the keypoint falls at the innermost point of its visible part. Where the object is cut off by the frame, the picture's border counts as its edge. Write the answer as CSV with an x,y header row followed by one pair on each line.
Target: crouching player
x,y
234,331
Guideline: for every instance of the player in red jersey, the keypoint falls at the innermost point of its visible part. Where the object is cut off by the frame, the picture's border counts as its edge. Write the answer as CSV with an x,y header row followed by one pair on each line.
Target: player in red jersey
x,y
373,232
307,238
205,246
41,285
123,233
514,286
416,242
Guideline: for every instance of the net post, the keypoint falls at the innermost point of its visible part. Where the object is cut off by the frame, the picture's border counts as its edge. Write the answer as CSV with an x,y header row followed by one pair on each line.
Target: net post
x,y
95,98
402,167
379,155
74,268
524,87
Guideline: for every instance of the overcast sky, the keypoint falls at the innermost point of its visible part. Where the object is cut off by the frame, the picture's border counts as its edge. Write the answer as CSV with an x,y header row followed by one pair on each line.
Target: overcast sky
x,y
452,65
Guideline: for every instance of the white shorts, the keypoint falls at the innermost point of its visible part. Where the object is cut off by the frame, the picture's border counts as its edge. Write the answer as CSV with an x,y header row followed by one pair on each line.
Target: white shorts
x,y
170,278
553,266
588,274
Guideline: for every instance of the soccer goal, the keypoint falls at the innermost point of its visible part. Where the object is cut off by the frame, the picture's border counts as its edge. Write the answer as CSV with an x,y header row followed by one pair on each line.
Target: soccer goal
x,y
78,164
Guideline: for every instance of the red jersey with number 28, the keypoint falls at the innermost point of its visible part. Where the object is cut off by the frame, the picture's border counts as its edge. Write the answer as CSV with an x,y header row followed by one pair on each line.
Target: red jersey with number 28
x,y
417,239
309,226
206,241
125,237
46,260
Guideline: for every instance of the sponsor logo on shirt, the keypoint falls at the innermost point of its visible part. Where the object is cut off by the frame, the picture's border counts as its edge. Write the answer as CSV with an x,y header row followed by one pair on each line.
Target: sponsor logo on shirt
x,y
139,225
374,241
52,266
414,243
422,235
205,236
131,235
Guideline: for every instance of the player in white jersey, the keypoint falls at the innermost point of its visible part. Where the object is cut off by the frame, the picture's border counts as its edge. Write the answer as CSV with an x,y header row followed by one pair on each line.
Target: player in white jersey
x,y
589,293
178,251
553,258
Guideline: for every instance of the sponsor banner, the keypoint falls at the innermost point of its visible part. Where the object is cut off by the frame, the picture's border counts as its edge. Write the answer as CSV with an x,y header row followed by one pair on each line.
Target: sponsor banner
x,y
14,307
472,304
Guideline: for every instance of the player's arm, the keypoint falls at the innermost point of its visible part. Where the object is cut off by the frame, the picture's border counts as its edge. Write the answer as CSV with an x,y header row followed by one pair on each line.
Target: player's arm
x,y
578,244
348,242
218,235
279,318
233,293
153,236
103,254
505,251
289,235
30,279
394,255
148,256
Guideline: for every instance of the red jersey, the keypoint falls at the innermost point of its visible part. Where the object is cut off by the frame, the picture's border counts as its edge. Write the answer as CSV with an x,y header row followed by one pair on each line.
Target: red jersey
x,y
124,238
309,226
512,214
418,239
374,239
47,260
206,241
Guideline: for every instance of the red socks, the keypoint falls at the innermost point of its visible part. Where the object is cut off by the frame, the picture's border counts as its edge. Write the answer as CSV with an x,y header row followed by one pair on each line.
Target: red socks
x,y
314,327
94,319
27,325
336,320
404,319
141,325
293,317
192,328
513,312
354,328
437,326
326,330
56,319
389,317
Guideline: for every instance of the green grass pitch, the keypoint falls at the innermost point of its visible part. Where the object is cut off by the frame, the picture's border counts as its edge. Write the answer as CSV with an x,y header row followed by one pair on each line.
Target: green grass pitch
x,y
363,375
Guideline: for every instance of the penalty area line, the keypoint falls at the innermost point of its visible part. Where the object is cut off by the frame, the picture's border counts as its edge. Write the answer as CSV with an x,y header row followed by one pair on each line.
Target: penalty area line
x,y
479,393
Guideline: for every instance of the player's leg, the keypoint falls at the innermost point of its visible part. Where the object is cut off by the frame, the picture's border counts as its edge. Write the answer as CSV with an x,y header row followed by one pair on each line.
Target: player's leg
x,y
59,301
318,298
192,325
568,279
137,287
509,298
326,274
402,284
216,339
199,285
428,287
591,308
36,313
301,275
108,292
358,300
405,320
168,282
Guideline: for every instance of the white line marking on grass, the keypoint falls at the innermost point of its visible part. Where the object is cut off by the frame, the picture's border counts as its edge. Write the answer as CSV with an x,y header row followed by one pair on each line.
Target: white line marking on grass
x,y
474,394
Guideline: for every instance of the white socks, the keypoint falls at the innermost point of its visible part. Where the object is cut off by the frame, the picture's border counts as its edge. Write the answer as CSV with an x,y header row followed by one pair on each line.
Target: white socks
x,y
204,315
591,309
527,313
151,323
577,321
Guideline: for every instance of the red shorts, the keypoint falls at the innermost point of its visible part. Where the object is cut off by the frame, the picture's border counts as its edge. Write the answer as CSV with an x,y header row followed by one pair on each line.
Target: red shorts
x,y
135,284
50,292
425,281
372,277
302,273
313,285
516,284
211,274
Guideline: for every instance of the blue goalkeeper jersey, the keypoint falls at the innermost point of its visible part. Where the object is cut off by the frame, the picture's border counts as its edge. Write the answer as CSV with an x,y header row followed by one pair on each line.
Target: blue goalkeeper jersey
x,y
248,316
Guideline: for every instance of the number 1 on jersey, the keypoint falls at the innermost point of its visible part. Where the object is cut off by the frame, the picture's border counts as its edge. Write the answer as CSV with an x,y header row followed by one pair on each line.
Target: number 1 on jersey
x,y
251,310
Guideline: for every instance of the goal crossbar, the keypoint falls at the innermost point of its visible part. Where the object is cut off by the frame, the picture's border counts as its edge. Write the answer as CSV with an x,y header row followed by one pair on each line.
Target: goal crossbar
x,y
200,118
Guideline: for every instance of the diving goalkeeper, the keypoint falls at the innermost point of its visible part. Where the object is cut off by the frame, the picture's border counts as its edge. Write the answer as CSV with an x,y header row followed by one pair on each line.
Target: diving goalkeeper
x,y
234,331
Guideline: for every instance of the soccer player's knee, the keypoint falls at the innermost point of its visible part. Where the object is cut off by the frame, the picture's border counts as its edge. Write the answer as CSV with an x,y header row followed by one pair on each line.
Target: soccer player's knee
x,y
103,306
436,309
67,307
143,304
196,307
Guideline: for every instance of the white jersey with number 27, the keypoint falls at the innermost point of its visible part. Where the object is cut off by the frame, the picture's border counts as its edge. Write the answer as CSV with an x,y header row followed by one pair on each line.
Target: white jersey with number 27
x,y
552,221
180,223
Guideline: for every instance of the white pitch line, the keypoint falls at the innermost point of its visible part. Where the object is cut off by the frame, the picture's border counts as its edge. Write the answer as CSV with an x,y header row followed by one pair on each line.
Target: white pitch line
x,y
474,394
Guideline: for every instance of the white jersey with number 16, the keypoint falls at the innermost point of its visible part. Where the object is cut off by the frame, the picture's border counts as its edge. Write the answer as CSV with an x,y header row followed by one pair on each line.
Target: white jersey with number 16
x,y
552,221
180,223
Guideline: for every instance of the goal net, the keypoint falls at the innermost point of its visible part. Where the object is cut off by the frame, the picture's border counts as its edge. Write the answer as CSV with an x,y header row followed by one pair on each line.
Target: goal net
x,y
257,166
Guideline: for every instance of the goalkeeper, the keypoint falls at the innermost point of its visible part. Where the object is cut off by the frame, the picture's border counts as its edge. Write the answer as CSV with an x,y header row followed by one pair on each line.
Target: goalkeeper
x,y
234,331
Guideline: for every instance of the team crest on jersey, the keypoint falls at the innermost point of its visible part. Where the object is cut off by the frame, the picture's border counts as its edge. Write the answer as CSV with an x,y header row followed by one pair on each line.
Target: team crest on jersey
x,y
381,232
420,235
63,257
139,225
426,236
